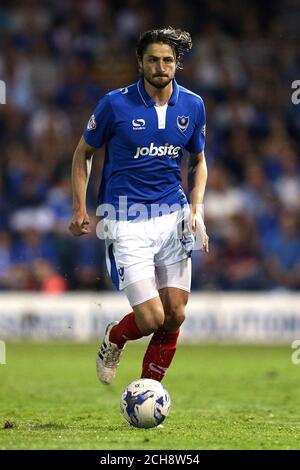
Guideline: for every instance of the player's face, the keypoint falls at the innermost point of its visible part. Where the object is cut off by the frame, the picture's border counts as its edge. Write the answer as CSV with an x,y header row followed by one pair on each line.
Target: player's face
x,y
158,65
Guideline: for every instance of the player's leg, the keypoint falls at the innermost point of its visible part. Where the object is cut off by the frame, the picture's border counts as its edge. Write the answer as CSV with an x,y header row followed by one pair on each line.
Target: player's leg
x,y
162,346
130,263
147,317
174,301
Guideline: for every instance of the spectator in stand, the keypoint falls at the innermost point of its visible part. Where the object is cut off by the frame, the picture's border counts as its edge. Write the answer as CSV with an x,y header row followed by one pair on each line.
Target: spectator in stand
x,y
47,279
259,199
5,256
222,199
240,257
282,259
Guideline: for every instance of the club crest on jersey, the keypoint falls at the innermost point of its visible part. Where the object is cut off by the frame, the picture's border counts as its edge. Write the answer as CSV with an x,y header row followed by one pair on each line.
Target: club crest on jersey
x,y
92,123
138,124
183,122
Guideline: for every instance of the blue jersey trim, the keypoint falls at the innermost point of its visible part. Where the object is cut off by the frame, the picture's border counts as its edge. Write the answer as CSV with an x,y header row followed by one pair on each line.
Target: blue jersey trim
x,y
113,267
148,101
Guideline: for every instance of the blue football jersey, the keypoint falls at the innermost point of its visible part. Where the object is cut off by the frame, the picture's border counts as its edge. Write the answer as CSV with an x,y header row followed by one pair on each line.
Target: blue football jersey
x,y
144,144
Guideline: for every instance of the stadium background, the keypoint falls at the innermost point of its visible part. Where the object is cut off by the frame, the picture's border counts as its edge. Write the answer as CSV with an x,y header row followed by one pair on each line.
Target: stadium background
x,y
57,59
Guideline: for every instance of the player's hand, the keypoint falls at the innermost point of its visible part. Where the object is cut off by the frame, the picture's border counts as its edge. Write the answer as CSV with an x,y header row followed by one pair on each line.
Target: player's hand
x,y
79,224
205,246
198,228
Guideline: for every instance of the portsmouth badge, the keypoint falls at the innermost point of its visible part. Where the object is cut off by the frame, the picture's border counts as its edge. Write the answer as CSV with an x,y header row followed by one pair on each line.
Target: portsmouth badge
x,y
121,273
183,122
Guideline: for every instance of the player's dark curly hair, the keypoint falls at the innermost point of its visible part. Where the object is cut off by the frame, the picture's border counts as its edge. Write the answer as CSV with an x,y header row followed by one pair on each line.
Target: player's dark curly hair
x,y
179,40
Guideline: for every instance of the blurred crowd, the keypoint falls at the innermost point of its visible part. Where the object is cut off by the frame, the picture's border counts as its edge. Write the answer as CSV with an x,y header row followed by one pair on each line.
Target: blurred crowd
x,y
58,58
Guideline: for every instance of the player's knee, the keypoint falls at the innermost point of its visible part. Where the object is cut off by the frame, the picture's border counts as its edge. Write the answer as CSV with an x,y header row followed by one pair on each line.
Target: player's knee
x,y
156,320
152,319
175,317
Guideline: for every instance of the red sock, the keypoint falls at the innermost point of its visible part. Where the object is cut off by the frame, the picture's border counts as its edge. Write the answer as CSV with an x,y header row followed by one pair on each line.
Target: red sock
x,y
124,330
159,354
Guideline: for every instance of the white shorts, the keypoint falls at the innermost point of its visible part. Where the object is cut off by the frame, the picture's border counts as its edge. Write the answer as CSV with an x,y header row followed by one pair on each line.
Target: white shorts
x,y
143,249
173,275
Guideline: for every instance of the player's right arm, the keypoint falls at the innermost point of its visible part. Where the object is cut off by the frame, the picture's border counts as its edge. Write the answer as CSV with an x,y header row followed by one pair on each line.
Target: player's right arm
x,y
80,174
98,132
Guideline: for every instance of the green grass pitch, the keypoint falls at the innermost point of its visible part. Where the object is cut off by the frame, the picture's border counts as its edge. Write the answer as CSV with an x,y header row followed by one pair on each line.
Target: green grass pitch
x,y
223,397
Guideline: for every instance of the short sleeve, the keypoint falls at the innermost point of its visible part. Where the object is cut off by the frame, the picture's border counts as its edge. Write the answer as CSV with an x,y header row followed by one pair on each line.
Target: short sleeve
x,y
100,126
197,141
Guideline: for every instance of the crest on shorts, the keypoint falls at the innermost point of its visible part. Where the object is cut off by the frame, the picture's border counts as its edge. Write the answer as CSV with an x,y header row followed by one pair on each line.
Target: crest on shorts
x,y
121,273
183,122
92,123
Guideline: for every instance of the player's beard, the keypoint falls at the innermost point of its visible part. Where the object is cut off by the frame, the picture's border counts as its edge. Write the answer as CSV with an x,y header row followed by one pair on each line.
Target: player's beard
x,y
156,83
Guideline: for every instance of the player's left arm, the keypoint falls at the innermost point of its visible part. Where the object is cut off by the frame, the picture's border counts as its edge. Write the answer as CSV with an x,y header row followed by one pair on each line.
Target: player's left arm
x,y
197,177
